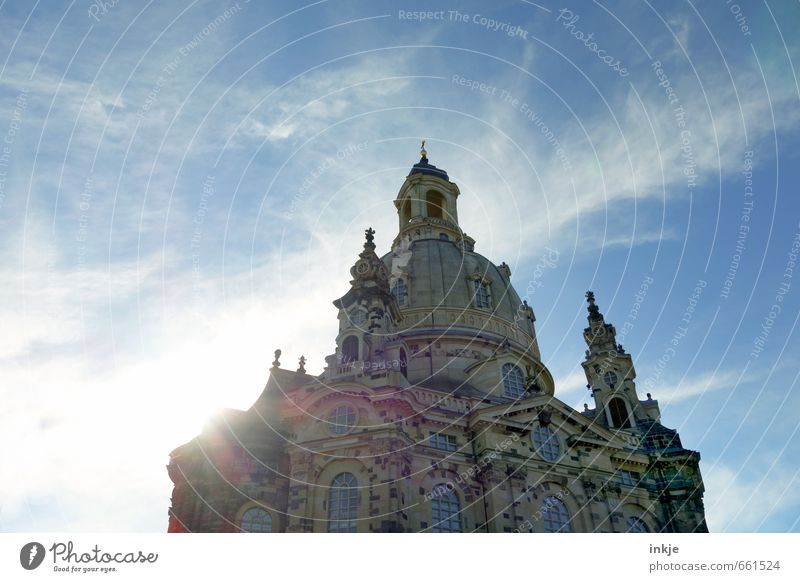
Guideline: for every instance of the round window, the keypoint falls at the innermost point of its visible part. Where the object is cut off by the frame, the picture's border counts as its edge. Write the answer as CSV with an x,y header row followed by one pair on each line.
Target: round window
x,y
341,419
610,378
545,443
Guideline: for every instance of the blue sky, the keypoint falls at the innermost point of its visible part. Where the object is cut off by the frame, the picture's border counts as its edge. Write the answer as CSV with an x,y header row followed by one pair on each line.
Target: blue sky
x,y
184,186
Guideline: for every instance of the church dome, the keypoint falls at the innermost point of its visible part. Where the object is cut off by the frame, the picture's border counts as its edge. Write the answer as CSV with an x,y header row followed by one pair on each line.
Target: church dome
x,y
432,302
438,275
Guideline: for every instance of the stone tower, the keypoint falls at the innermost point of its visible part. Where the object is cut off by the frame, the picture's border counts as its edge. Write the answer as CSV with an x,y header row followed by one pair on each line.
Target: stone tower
x,y
436,413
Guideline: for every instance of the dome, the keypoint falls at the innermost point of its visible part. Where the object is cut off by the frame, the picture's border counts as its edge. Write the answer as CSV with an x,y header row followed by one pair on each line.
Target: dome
x,y
438,275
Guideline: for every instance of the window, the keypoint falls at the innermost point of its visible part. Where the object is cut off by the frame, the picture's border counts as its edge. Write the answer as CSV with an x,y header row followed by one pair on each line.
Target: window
x,y
546,443
619,413
513,382
341,419
443,236
628,478
358,317
445,442
636,525
256,520
405,212
403,363
445,510
343,503
481,293
610,379
350,349
400,291
555,515
435,204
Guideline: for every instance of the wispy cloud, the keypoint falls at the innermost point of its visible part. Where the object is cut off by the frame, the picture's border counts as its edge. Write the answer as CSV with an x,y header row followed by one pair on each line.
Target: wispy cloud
x,y
745,500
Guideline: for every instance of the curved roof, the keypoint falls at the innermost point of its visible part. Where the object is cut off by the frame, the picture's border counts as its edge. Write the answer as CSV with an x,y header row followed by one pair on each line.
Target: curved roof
x,y
439,275
424,167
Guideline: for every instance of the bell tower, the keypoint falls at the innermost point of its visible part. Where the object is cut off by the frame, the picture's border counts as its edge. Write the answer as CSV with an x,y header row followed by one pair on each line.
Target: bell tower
x,y
610,373
368,311
427,203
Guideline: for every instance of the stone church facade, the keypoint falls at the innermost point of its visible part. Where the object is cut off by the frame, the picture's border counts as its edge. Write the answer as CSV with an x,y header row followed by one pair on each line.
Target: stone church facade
x,y
436,413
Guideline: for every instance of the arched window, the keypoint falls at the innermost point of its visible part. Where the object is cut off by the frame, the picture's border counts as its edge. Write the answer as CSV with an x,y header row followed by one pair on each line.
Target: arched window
x,y
445,510
256,520
637,525
343,503
619,413
555,515
513,382
341,419
405,212
546,443
482,298
435,204
403,363
350,349
399,291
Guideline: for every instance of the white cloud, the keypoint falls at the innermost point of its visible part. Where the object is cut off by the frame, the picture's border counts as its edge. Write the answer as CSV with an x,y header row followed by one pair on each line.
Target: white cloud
x,y
78,416
572,384
744,500
672,392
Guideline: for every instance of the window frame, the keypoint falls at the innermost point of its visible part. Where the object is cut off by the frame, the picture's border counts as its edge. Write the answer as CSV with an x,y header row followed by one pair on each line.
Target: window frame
x,y
639,522
550,502
509,391
249,510
628,478
403,355
346,493
345,340
399,285
445,510
544,448
362,318
480,284
610,374
435,204
335,415
622,406
443,441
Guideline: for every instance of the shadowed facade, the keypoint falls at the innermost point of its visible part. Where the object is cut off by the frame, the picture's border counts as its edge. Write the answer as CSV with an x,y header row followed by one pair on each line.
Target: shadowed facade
x,y
436,413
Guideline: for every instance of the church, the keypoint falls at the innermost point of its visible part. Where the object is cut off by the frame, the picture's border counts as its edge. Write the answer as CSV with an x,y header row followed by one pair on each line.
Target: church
x,y
436,413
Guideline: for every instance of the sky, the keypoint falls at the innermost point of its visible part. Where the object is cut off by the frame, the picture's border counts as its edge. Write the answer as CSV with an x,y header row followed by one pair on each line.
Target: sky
x,y
185,185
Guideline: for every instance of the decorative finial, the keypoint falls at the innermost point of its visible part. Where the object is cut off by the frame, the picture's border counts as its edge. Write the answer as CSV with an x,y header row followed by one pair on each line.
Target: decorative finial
x,y
370,235
277,361
586,407
594,311
302,368
422,153
649,396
